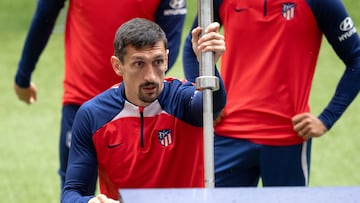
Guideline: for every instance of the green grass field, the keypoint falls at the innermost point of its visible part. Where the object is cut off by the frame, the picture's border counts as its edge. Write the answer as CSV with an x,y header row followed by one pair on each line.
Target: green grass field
x,y
29,134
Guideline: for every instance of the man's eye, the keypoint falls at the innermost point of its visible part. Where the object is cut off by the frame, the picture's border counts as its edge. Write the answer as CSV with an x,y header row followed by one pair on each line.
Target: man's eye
x,y
138,63
158,62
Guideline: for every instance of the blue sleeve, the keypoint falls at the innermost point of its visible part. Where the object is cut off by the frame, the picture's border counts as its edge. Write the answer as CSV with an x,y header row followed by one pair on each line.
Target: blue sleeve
x,y
194,110
190,63
171,18
219,101
338,28
37,37
81,174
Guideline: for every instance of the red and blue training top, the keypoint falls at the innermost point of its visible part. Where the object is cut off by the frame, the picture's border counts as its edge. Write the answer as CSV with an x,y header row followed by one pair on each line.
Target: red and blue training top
x,y
271,54
89,33
160,145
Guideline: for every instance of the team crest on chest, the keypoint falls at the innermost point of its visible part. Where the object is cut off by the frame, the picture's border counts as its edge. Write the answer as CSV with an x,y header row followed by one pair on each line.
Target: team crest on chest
x,y
288,10
165,137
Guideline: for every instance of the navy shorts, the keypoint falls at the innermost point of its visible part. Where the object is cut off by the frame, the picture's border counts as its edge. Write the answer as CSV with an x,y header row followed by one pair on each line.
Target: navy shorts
x,y
67,119
241,163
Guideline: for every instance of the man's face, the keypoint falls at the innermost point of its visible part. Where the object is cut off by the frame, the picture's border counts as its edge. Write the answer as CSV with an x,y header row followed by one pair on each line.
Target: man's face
x,y
143,73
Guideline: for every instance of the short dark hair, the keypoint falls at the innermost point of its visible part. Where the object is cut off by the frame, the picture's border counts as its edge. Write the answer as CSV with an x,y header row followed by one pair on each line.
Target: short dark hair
x,y
139,33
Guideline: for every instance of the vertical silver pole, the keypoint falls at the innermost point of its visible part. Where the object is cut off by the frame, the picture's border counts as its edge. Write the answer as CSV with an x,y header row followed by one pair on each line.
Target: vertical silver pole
x,y
207,82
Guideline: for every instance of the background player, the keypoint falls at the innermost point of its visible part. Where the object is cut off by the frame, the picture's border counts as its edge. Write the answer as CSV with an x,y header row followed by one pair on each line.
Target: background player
x,y
271,54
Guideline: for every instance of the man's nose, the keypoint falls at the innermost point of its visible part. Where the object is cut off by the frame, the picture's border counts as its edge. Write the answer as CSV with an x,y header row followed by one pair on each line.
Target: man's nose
x,y
149,73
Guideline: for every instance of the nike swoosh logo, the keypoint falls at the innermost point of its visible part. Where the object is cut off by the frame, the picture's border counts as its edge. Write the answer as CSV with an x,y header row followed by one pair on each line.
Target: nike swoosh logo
x,y
113,146
240,9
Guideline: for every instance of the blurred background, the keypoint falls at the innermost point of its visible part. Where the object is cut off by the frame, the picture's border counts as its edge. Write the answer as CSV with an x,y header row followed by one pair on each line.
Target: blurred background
x,y
29,134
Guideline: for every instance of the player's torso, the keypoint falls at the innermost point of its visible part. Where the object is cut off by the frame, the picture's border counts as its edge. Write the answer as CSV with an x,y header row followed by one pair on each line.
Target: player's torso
x,y
155,149
272,48
90,31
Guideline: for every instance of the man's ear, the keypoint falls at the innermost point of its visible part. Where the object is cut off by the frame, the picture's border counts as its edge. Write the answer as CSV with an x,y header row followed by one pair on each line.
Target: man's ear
x,y
116,64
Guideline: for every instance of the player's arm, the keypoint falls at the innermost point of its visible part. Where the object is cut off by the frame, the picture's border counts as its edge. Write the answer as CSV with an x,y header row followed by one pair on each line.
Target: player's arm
x,y
41,27
171,17
335,23
190,63
81,174
214,42
194,110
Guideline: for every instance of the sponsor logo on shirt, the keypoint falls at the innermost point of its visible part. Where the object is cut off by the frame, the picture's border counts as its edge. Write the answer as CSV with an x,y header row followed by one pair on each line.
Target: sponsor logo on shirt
x,y
288,11
347,26
238,10
177,7
165,137
110,146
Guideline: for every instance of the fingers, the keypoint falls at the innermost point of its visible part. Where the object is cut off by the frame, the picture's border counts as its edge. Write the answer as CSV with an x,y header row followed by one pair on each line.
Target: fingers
x,y
210,41
219,118
27,95
307,126
211,37
301,125
101,198
196,32
213,27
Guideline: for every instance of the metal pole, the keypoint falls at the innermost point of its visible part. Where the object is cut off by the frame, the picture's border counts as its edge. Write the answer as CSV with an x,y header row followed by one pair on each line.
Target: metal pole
x,y
208,83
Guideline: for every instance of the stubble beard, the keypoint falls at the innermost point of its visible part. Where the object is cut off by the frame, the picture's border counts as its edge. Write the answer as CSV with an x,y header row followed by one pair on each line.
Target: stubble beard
x,y
146,97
